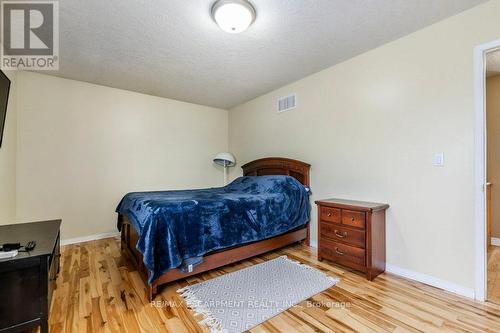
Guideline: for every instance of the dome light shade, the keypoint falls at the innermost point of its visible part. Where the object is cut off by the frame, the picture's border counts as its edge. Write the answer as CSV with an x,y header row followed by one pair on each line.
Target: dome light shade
x,y
233,16
224,159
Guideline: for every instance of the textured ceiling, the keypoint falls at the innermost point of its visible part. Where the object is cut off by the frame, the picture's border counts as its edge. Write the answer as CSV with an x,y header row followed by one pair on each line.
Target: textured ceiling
x,y
493,63
172,48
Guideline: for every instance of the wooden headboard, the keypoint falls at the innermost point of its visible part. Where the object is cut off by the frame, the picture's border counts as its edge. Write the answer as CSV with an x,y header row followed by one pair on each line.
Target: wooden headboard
x,y
278,166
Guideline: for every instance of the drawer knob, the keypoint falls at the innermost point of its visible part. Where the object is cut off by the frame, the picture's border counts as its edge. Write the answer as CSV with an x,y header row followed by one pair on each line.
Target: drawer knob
x,y
352,219
340,235
329,214
340,253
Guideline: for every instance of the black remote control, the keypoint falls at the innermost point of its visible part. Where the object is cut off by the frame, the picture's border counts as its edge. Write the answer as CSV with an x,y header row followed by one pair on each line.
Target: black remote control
x,y
30,246
11,246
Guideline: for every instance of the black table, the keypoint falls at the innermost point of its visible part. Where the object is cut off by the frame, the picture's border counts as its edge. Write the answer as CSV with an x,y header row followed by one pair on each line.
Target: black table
x,y
27,280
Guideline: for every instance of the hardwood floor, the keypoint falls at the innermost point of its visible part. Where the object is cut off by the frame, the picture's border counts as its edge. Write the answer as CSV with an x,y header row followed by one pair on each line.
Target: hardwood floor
x,y
493,287
98,292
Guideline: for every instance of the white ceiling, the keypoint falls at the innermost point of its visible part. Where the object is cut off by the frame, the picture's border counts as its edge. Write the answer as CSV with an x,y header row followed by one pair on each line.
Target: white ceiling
x,y
172,48
493,63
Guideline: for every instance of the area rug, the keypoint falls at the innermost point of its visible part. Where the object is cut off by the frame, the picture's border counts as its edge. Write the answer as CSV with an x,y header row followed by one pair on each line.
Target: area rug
x,y
238,301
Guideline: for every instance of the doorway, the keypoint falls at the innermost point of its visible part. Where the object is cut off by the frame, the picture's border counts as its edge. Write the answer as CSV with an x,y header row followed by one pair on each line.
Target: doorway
x,y
492,108
482,210
484,193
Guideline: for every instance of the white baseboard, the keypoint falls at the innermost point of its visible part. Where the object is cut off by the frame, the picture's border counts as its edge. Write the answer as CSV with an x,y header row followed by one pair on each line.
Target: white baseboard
x,y
89,238
495,241
423,278
431,281
427,279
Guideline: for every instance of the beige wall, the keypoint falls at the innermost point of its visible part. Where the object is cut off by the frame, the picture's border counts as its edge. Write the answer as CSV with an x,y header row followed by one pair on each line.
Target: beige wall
x,y
493,123
81,147
370,127
8,159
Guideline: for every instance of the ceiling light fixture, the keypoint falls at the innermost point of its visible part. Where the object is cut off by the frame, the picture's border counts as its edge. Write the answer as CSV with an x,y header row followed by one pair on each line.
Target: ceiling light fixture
x,y
233,16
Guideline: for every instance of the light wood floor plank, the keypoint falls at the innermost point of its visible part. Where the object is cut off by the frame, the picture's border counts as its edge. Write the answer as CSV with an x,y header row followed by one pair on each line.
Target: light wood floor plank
x,y
99,291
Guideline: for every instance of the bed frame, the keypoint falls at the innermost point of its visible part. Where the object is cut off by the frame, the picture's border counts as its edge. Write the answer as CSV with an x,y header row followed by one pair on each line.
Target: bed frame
x,y
261,167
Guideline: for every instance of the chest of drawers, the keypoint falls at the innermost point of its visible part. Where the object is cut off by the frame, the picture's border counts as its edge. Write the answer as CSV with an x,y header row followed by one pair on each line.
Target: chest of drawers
x,y
28,280
352,233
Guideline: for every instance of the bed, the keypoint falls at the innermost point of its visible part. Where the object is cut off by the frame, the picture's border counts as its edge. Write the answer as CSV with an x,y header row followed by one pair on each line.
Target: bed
x,y
144,247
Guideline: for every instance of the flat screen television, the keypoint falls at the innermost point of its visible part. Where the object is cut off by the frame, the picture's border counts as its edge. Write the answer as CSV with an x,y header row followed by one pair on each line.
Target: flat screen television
x,y
4,97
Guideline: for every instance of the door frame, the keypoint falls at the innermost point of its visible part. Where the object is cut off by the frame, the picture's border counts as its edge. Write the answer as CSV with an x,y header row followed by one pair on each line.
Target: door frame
x,y
480,151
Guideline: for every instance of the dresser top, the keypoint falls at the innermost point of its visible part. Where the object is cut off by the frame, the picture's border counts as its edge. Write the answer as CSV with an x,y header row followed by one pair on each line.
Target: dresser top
x,y
44,233
352,204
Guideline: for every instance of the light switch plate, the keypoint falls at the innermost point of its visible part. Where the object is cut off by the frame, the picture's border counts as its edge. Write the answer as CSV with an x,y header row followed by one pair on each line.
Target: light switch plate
x,y
438,160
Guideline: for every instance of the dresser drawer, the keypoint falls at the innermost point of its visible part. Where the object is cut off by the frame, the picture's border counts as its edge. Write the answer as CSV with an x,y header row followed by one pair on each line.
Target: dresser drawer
x,y
353,218
357,240
330,214
346,235
342,253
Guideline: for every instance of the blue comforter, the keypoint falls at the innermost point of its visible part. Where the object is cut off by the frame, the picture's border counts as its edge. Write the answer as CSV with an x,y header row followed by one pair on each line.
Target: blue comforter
x,y
176,226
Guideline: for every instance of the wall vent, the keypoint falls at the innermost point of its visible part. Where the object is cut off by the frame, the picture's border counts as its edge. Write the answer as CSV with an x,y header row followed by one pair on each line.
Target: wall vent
x,y
287,103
